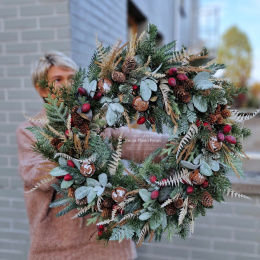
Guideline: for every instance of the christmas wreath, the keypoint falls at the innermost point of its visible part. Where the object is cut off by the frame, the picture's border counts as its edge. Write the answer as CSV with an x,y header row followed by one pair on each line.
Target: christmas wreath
x,y
156,86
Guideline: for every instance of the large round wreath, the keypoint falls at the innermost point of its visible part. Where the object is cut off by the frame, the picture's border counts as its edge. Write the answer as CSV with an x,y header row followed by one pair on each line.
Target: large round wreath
x,y
155,86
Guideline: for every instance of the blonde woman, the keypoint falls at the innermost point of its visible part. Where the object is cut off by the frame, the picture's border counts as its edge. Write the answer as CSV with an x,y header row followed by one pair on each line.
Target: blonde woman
x,y
65,238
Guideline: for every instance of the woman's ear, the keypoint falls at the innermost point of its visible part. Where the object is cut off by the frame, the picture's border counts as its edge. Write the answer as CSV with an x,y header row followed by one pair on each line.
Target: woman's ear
x,y
43,92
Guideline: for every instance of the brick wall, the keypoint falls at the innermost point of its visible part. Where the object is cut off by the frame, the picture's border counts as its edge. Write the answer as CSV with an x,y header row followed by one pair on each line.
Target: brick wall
x,y
27,29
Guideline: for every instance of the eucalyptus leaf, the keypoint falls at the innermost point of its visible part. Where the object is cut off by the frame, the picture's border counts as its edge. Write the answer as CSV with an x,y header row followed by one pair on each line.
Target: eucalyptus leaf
x,y
100,190
190,106
92,182
205,169
116,100
164,193
82,192
154,222
145,195
57,171
77,163
91,196
145,216
117,107
62,161
151,84
215,165
197,159
105,100
163,219
90,87
102,179
200,103
145,92
189,165
204,84
66,184
201,76
111,116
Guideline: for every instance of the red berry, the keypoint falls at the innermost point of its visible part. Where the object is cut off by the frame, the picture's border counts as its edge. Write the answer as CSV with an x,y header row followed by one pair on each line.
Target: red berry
x,y
83,91
85,108
71,122
97,96
205,184
152,179
182,77
67,133
60,177
172,82
154,194
135,87
227,129
189,189
220,137
184,182
172,71
151,119
70,163
67,177
198,122
100,233
100,228
230,139
208,126
141,120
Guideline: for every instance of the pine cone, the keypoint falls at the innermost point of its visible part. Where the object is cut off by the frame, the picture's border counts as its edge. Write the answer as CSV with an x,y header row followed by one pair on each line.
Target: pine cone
x,y
191,204
108,202
55,142
77,120
218,110
220,120
59,146
84,128
74,109
170,209
186,98
128,65
212,119
71,192
118,77
179,91
207,199
106,213
178,203
188,84
225,113
81,201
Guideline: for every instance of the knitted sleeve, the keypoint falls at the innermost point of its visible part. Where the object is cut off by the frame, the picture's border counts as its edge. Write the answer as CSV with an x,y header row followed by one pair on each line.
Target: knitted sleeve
x,y
29,161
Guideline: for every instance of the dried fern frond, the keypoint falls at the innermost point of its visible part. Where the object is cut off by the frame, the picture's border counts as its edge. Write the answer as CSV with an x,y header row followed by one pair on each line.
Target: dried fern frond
x,y
144,231
240,117
77,144
128,216
155,75
122,204
81,211
132,46
113,165
187,150
69,126
63,155
57,133
99,203
39,184
187,138
141,37
192,222
176,179
194,69
49,138
37,119
148,61
105,222
183,211
139,181
127,119
232,193
169,201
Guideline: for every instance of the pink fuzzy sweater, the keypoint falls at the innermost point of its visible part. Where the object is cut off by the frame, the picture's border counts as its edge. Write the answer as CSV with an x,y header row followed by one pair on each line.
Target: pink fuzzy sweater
x,y
65,238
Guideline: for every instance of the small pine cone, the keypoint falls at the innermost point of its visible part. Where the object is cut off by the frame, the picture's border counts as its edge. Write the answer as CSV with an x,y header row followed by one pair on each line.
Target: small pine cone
x,y
128,65
212,119
106,213
71,192
170,209
186,98
55,142
108,202
178,203
226,113
77,120
188,84
220,120
74,109
191,204
207,199
84,128
179,91
218,110
205,92
118,77
82,202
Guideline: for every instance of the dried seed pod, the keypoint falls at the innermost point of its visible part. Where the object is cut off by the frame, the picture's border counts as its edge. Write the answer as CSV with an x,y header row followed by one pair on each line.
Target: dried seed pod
x,y
178,203
118,194
104,85
197,178
87,168
139,104
213,144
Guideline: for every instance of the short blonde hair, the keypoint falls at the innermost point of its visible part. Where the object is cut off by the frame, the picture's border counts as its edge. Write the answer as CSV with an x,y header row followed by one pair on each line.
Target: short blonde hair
x,y
51,58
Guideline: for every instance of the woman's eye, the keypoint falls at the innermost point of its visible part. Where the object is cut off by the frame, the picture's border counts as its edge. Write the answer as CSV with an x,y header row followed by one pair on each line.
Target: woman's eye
x,y
57,80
